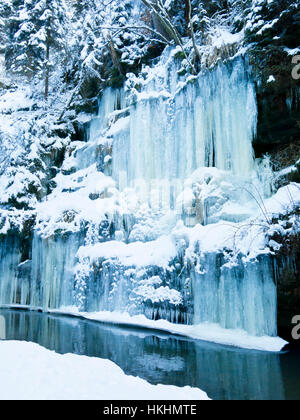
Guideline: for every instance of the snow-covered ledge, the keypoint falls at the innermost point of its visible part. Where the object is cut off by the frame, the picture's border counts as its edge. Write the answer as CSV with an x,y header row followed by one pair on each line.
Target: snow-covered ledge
x,y
206,332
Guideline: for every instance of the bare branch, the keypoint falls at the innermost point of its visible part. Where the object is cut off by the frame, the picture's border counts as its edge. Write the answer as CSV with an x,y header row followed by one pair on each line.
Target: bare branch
x,y
192,32
160,12
120,28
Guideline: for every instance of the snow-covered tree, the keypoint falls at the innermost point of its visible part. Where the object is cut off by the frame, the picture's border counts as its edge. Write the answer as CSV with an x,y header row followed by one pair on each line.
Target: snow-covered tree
x,y
5,13
41,27
82,7
267,19
111,38
126,43
9,23
273,31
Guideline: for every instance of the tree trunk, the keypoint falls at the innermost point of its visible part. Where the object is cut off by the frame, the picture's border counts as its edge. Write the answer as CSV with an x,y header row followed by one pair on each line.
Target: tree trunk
x,y
162,16
114,55
197,52
170,30
47,66
187,13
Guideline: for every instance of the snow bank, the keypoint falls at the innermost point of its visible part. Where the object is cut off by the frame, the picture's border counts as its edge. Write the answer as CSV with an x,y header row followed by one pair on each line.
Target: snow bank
x,y
221,37
13,100
72,194
248,237
30,372
284,201
206,332
138,254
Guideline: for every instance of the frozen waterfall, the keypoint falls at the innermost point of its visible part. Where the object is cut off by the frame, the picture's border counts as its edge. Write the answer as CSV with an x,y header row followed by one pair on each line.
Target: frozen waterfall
x,y
181,143
210,121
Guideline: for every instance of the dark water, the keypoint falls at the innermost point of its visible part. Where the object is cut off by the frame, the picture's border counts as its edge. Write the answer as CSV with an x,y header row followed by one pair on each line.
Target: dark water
x,y
224,373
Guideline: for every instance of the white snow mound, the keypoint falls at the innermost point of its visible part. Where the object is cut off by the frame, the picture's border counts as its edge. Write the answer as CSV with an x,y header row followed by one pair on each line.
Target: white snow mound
x,y
30,372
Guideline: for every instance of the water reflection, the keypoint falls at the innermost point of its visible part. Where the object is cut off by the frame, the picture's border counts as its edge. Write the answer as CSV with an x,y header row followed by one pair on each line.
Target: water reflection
x,y
223,372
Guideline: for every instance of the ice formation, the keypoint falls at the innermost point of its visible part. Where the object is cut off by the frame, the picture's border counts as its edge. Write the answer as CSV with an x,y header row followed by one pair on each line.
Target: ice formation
x,y
149,216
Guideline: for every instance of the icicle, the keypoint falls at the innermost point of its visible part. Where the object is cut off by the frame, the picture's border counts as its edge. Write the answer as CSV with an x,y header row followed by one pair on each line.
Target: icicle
x,y
52,275
239,297
209,122
10,258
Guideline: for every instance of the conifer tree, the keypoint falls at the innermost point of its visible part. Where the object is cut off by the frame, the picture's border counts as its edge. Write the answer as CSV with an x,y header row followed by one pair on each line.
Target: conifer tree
x,y
41,28
9,23
5,13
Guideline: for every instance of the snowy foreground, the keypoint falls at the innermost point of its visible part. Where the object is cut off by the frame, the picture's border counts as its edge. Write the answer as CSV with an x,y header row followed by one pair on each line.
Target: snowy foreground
x,y
30,372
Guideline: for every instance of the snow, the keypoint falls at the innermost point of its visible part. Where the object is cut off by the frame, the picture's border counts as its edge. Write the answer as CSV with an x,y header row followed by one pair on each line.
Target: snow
x,y
2,68
14,219
205,332
286,171
229,219
209,332
292,51
72,196
162,294
27,128
16,99
248,237
121,125
284,201
83,118
138,254
222,36
30,372
266,26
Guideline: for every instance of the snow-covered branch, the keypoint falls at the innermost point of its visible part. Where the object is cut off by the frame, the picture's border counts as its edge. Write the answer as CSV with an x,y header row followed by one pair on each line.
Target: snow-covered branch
x,y
138,28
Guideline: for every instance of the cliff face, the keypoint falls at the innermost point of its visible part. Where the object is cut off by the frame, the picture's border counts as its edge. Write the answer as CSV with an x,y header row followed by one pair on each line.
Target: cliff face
x,y
278,104
273,37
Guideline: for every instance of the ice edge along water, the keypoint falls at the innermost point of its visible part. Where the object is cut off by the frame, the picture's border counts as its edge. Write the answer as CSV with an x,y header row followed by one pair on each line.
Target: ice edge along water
x,y
212,333
166,132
